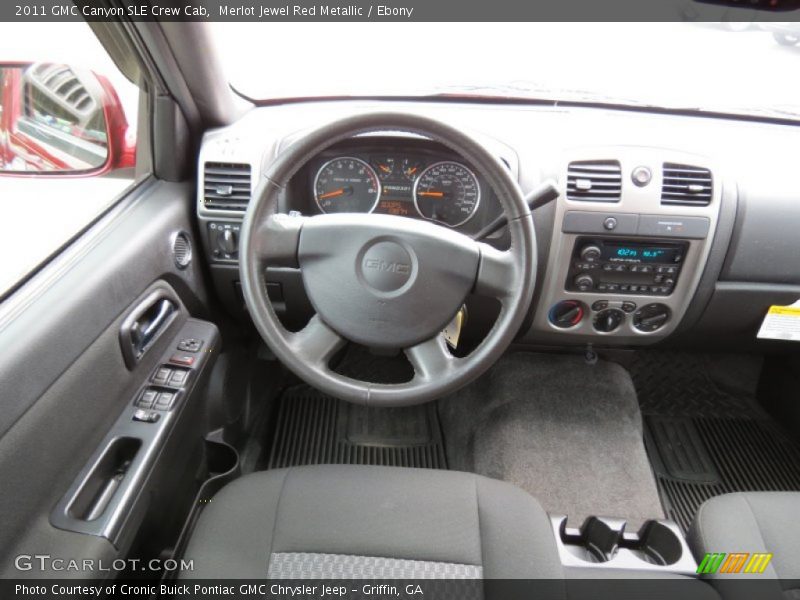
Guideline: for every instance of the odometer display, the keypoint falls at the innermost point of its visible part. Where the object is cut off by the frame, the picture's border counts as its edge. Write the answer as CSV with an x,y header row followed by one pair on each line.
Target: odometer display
x,y
448,193
346,185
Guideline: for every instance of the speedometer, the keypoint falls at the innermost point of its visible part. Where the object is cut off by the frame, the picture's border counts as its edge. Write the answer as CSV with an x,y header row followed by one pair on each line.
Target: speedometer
x,y
447,192
346,185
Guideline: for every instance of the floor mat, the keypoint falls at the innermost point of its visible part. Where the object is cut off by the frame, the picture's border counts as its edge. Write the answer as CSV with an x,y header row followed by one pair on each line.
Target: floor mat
x,y
568,432
313,428
704,440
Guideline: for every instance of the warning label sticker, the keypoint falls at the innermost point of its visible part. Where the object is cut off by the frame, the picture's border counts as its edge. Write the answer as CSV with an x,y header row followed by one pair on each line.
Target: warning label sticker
x,y
781,323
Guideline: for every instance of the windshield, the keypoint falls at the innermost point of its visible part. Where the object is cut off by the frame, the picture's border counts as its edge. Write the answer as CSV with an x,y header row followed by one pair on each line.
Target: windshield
x,y
726,67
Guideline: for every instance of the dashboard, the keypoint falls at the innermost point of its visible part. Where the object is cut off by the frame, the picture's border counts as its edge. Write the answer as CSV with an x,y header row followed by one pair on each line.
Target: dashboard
x,y
663,229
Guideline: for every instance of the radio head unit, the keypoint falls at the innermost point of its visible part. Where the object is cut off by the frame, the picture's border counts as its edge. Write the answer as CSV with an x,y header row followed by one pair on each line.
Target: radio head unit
x,y
618,266
643,253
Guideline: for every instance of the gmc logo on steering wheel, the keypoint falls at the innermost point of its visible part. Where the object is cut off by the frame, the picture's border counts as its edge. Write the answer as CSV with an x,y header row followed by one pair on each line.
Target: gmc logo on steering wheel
x,y
376,264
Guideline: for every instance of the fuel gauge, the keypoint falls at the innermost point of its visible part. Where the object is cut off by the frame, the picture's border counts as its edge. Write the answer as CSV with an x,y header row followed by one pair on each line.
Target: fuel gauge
x,y
411,168
384,166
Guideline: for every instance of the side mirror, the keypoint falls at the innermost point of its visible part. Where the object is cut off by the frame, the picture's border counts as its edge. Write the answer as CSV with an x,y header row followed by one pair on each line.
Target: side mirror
x,y
61,120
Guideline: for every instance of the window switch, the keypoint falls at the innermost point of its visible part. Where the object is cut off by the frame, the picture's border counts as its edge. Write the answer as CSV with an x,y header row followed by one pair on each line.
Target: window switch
x,y
164,401
162,376
146,416
178,378
147,399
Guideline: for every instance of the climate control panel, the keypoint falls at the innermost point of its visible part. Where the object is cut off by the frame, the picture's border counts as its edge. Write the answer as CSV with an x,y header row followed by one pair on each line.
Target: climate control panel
x,y
608,316
615,266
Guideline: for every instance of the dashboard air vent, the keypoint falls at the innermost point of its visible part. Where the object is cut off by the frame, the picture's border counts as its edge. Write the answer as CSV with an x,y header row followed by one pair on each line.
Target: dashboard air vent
x,y
594,181
685,185
226,185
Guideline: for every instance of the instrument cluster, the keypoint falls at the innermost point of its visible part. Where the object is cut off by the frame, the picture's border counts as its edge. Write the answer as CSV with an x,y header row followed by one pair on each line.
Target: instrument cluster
x,y
427,185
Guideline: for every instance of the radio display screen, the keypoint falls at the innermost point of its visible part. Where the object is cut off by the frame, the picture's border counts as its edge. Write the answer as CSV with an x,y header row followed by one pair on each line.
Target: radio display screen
x,y
636,253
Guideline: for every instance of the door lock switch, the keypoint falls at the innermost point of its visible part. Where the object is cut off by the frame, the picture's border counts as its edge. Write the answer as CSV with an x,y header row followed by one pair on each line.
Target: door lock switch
x,y
146,416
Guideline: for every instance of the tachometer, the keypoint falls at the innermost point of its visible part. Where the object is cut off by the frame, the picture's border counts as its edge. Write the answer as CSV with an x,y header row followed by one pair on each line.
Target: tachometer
x,y
447,192
346,185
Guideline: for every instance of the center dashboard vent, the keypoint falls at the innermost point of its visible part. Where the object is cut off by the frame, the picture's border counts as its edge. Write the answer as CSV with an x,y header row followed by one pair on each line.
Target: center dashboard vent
x,y
226,185
594,181
685,185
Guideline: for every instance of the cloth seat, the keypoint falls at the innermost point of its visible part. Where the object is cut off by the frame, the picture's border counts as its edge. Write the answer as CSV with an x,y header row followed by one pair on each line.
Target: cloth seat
x,y
368,521
752,522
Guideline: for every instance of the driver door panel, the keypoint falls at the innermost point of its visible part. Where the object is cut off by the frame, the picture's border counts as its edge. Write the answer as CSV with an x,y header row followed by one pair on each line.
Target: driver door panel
x,y
64,380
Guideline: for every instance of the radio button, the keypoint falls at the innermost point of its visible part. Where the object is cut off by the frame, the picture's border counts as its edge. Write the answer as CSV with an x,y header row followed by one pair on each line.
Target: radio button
x,y
610,224
584,282
591,253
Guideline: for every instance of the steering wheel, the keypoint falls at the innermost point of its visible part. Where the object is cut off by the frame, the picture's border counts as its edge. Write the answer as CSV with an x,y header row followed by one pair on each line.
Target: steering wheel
x,y
385,281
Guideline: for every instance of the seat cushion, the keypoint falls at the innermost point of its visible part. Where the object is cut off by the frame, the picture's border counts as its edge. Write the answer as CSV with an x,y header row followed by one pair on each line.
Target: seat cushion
x,y
752,522
362,521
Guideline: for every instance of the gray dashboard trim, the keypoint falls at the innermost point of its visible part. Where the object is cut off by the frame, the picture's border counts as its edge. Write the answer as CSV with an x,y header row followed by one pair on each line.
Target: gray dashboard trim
x,y
761,164
766,239
696,225
716,257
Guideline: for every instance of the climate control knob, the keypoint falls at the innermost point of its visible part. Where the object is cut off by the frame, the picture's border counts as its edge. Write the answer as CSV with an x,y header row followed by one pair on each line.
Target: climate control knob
x,y
651,317
566,314
591,253
584,282
608,320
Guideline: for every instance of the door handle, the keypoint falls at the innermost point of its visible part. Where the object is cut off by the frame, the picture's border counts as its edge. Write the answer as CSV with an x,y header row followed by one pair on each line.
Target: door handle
x,y
142,327
145,329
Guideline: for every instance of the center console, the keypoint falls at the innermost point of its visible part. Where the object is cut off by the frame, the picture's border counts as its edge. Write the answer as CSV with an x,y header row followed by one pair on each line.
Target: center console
x,y
657,546
632,233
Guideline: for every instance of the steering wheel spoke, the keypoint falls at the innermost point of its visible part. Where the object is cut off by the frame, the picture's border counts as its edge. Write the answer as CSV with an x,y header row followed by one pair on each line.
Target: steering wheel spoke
x,y
431,359
497,275
316,343
277,239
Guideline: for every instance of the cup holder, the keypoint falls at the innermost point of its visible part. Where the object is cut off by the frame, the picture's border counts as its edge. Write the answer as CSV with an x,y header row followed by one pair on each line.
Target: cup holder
x,y
657,544
603,542
596,541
